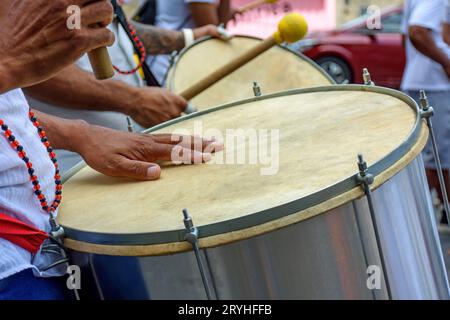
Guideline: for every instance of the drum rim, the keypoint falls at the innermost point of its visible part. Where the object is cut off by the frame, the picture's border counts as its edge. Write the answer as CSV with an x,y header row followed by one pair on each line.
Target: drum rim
x,y
267,215
173,66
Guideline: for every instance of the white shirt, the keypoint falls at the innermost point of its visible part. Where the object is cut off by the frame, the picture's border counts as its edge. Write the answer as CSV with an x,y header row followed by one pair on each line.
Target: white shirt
x,y
171,15
122,56
422,73
17,198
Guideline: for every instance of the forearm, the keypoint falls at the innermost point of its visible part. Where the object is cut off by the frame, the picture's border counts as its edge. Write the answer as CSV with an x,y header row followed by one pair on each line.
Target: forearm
x,y
423,41
159,41
76,89
62,133
224,11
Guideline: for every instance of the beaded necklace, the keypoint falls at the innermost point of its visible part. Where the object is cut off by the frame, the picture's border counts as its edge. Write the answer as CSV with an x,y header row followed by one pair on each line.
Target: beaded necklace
x,y
15,144
142,51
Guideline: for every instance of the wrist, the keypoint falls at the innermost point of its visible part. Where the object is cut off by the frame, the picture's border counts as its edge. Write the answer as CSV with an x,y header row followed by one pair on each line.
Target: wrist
x,y
121,97
74,134
130,101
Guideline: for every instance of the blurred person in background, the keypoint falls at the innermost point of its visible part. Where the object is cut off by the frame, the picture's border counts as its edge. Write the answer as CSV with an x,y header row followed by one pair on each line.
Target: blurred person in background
x,y
75,93
428,68
446,25
180,15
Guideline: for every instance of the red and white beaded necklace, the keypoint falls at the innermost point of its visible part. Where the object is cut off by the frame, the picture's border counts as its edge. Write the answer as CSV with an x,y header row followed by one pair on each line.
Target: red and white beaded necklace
x,y
15,144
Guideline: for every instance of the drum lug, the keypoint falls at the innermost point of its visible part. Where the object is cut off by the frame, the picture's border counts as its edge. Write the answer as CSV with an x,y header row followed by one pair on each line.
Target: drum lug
x,y
191,236
426,113
365,180
367,78
256,89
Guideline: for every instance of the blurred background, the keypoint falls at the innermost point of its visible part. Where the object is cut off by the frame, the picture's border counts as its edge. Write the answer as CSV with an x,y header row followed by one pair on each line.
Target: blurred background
x,y
339,39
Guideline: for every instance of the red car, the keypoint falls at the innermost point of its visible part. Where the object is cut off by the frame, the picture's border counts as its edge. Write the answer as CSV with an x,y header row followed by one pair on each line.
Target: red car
x,y
344,52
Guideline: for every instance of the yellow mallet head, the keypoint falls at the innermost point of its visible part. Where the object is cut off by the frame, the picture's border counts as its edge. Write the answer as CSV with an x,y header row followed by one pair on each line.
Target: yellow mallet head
x,y
292,28
271,1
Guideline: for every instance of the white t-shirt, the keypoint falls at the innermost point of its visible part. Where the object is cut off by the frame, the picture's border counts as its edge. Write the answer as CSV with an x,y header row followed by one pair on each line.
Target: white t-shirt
x,y
422,73
122,56
17,198
171,15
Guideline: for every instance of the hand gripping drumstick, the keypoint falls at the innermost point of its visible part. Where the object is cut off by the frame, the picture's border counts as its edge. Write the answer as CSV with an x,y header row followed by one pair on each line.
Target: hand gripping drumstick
x,y
291,28
254,4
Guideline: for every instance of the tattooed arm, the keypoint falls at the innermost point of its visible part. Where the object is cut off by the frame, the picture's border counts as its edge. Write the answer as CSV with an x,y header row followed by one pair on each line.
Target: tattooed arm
x,y
162,41
159,41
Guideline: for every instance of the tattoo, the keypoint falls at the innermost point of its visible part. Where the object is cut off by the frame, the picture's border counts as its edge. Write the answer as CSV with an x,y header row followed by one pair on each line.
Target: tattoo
x,y
157,40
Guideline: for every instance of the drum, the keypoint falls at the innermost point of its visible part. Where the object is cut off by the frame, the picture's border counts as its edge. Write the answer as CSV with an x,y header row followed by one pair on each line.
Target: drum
x,y
281,213
278,69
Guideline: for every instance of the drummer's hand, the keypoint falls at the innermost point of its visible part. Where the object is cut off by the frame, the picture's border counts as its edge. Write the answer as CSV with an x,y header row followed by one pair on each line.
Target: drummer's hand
x,y
208,30
36,42
129,155
152,106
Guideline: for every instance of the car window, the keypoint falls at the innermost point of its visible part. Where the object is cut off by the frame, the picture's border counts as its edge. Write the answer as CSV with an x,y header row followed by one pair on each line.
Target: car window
x,y
392,23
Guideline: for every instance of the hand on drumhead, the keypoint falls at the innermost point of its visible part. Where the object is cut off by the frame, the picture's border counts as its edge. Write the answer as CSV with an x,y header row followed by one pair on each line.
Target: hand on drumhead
x,y
209,30
129,155
152,106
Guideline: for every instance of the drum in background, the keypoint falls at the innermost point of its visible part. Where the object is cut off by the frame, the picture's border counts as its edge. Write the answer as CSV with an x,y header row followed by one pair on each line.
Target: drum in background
x,y
278,69
303,231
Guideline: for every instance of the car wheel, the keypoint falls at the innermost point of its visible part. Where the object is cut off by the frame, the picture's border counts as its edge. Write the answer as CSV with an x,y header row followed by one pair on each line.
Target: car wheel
x,y
336,68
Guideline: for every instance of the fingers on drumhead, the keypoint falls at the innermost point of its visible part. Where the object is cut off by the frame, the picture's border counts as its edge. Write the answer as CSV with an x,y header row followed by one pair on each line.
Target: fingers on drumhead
x,y
192,142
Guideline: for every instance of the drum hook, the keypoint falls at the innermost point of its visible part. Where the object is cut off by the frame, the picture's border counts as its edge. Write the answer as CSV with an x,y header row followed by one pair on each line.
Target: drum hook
x,y
191,236
365,180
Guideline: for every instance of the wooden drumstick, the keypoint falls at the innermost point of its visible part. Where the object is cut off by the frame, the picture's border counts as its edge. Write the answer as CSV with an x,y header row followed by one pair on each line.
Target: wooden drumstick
x,y
254,4
291,28
101,62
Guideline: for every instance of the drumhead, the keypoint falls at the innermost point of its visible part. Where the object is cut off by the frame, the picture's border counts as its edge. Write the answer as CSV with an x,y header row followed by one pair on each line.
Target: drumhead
x,y
321,131
278,69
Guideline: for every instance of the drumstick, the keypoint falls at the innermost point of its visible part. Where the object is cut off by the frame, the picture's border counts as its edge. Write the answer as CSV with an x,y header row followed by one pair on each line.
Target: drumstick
x,y
291,28
254,4
101,63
